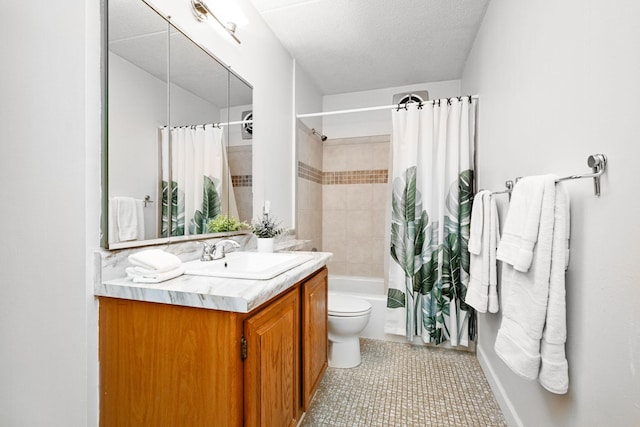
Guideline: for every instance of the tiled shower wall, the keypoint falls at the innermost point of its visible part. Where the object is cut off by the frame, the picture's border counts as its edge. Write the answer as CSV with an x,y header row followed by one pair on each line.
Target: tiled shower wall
x,y
309,193
240,165
355,197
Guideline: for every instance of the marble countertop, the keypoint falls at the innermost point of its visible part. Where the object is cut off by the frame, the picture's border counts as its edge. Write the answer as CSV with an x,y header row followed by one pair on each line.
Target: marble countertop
x,y
239,295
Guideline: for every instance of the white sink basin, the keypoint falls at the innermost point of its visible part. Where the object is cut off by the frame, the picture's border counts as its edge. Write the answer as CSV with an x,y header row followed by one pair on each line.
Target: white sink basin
x,y
247,265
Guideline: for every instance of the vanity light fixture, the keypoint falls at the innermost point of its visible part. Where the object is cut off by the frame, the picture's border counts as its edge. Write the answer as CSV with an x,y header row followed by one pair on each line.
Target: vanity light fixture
x,y
202,12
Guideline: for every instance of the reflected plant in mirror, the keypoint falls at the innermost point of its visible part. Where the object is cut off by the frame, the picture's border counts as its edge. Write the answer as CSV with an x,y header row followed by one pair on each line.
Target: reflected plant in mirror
x,y
175,118
224,223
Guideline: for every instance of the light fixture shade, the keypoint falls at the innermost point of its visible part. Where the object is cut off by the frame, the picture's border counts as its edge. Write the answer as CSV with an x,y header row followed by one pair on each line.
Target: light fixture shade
x,y
202,12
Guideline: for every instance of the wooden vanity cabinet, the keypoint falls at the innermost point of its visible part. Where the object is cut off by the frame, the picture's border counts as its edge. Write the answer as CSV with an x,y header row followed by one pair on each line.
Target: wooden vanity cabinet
x,y
169,365
271,380
315,344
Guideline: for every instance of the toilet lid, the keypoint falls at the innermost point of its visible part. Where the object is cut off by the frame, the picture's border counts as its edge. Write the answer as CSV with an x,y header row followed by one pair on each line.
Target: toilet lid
x,y
341,305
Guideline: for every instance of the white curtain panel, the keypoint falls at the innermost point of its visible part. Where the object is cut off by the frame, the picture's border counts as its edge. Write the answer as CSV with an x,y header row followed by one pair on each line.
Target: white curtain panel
x,y
201,179
432,179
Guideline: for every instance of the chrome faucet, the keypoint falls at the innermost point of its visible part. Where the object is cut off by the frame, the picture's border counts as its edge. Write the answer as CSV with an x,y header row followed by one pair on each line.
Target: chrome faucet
x,y
213,251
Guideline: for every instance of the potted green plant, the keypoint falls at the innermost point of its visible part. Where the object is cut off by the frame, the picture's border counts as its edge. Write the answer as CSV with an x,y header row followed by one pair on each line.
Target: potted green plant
x,y
223,223
266,229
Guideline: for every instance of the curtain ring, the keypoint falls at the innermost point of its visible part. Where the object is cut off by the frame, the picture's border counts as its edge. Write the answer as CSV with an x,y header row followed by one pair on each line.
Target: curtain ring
x,y
420,105
448,101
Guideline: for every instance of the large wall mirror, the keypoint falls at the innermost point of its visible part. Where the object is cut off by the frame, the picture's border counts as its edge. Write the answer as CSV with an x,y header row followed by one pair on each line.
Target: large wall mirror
x,y
179,133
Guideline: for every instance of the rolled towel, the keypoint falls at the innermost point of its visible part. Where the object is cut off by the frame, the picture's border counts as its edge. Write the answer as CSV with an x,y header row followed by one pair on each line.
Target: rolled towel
x,y
154,261
153,278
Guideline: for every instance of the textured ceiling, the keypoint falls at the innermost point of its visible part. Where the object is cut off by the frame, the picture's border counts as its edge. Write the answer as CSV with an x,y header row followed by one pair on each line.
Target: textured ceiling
x,y
140,36
354,45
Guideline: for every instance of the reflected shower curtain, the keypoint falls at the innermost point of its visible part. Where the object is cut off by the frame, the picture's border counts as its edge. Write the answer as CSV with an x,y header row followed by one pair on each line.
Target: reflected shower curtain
x,y
201,186
431,211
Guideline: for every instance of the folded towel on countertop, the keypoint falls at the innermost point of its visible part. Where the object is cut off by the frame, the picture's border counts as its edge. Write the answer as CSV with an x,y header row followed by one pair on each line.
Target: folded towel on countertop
x,y
153,261
153,277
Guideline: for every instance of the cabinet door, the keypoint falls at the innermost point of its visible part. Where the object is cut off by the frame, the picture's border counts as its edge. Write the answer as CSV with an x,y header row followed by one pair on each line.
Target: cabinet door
x,y
168,365
314,334
271,370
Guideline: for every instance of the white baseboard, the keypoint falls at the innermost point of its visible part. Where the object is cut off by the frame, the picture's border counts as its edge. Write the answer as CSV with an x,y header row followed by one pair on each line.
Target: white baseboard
x,y
509,412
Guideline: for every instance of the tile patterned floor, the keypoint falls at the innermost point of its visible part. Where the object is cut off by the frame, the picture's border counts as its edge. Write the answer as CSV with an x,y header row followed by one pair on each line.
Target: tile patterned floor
x,y
400,384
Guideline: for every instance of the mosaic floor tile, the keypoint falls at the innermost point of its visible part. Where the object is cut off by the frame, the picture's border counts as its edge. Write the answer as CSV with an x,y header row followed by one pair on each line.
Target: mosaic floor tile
x,y
401,384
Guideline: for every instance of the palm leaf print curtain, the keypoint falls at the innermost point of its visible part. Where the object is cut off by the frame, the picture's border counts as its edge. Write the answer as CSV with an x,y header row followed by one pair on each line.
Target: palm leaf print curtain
x,y
432,184
200,179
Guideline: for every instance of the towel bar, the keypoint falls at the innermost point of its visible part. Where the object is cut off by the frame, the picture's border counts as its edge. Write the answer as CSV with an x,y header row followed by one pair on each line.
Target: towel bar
x,y
597,162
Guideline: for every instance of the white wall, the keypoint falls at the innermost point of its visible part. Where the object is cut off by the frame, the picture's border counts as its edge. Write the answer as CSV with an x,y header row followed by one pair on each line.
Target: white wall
x,y
373,122
308,98
559,81
50,206
50,192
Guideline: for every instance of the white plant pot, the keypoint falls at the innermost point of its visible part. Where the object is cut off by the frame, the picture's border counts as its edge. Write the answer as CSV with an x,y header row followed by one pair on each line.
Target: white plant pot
x,y
265,244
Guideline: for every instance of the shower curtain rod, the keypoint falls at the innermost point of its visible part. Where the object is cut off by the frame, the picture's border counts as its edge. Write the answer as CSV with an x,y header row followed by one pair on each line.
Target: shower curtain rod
x,y
360,110
238,122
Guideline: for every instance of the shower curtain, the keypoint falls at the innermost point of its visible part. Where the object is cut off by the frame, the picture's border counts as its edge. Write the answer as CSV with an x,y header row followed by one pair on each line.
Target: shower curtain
x,y
201,186
432,146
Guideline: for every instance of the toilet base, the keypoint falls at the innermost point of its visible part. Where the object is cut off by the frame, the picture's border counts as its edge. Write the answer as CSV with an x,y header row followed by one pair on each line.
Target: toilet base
x,y
345,354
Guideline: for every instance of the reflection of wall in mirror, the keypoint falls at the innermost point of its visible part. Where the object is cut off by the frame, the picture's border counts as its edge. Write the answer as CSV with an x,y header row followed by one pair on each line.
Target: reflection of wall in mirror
x,y
137,109
240,161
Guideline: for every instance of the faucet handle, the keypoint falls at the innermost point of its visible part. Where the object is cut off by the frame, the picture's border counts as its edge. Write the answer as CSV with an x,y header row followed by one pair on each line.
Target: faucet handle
x,y
207,251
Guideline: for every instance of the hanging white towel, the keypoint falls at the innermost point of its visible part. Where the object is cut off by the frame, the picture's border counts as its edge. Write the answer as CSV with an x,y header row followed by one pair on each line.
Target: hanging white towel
x,y
533,300
554,369
153,261
126,219
494,239
521,226
476,225
482,291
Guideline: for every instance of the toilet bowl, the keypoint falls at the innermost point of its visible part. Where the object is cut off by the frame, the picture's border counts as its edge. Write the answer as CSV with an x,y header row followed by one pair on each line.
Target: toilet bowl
x,y
348,316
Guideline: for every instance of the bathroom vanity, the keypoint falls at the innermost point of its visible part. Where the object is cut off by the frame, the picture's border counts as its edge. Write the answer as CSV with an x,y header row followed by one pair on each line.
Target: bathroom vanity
x,y
197,351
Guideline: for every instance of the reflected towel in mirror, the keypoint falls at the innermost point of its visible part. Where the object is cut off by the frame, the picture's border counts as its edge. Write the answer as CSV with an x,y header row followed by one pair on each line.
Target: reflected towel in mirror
x,y
126,219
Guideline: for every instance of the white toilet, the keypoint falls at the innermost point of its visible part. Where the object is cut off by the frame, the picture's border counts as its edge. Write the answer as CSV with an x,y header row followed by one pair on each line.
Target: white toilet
x,y
348,316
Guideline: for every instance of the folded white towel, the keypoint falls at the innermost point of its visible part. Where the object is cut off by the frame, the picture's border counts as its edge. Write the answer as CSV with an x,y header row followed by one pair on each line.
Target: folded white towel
x,y
127,218
154,277
117,220
524,294
482,290
494,239
477,291
554,369
533,301
521,226
477,219
154,261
